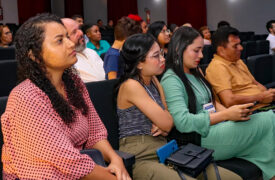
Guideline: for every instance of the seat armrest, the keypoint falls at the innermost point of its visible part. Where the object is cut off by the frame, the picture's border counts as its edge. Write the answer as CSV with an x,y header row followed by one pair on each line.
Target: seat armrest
x,y
95,155
128,160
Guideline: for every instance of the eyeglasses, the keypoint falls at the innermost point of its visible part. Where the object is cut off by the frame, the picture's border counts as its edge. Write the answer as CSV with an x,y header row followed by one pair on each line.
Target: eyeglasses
x,y
159,55
165,31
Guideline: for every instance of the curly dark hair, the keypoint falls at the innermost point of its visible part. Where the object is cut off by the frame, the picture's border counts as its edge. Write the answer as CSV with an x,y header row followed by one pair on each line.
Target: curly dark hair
x,y
28,42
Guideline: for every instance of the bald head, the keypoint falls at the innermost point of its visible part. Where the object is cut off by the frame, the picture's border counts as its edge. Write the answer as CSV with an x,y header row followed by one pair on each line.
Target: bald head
x,y
75,34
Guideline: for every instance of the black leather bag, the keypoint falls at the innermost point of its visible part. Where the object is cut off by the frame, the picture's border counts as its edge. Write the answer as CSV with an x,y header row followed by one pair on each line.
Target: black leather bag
x,y
190,159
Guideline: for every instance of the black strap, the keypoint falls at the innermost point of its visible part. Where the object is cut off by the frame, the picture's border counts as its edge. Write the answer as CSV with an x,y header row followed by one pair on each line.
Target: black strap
x,y
205,175
216,171
180,174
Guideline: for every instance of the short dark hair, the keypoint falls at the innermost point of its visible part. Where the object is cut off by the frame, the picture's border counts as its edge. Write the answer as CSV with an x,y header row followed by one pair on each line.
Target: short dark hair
x,y
126,27
223,23
269,24
220,36
98,20
74,17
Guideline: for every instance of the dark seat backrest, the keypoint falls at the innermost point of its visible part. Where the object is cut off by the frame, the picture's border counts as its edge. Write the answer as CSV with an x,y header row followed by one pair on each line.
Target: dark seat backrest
x,y
208,53
7,53
8,76
3,103
249,49
108,35
102,96
102,56
259,37
262,47
246,36
261,67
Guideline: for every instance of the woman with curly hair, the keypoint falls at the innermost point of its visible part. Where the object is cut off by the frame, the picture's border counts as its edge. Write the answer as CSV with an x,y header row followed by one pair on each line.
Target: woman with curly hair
x,y
49,117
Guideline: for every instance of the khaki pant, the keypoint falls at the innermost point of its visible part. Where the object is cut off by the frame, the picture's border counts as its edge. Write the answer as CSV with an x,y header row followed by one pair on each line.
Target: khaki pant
x,y
147,166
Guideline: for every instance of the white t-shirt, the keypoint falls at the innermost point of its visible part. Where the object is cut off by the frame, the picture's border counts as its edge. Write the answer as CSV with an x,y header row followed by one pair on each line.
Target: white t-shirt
x,y
206,42
271,39
90,66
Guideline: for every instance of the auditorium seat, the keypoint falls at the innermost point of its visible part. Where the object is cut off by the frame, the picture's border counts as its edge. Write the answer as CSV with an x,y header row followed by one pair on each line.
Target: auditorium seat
x,y
262,68
102,97
7,53
208,53
249,49
259,37
102,56
8,76
246,36
262,47
245,169
108,35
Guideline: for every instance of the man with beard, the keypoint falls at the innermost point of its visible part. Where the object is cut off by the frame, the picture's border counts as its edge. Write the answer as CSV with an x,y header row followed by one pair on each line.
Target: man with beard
x,y
89,64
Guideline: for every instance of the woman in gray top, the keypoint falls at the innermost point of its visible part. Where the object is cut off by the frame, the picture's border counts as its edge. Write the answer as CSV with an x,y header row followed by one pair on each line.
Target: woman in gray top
x,y
144,120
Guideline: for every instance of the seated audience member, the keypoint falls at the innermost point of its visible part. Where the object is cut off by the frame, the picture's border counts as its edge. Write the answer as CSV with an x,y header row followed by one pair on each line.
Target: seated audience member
x,y
79,19
270,26
5,36
95,42
222,23
229,76
159,30
89,64
49,116
138,19
113,66
173,28
144,120
192,104
110,25
204,31
100,25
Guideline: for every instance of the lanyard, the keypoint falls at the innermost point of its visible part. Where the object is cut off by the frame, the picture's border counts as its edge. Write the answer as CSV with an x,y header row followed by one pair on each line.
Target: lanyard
x,y
148,90
201,93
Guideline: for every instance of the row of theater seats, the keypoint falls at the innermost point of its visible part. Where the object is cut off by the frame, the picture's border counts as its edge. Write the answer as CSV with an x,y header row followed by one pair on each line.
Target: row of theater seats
x,y
250,36
250,48
261,66
101,94
7,53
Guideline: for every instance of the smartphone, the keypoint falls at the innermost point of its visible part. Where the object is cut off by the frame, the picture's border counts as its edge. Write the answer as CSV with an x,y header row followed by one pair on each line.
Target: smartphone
x,y
255,103
165,151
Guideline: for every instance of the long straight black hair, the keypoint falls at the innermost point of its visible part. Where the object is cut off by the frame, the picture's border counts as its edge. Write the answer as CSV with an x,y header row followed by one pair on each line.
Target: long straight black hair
x,y
181,39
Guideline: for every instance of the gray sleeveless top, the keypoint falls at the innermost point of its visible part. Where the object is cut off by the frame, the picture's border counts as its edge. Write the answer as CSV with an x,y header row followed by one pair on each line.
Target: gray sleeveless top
x,y
132,121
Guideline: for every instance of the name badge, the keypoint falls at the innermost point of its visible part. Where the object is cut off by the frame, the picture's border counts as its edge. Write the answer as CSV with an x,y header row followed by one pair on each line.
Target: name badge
x,y
209,107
